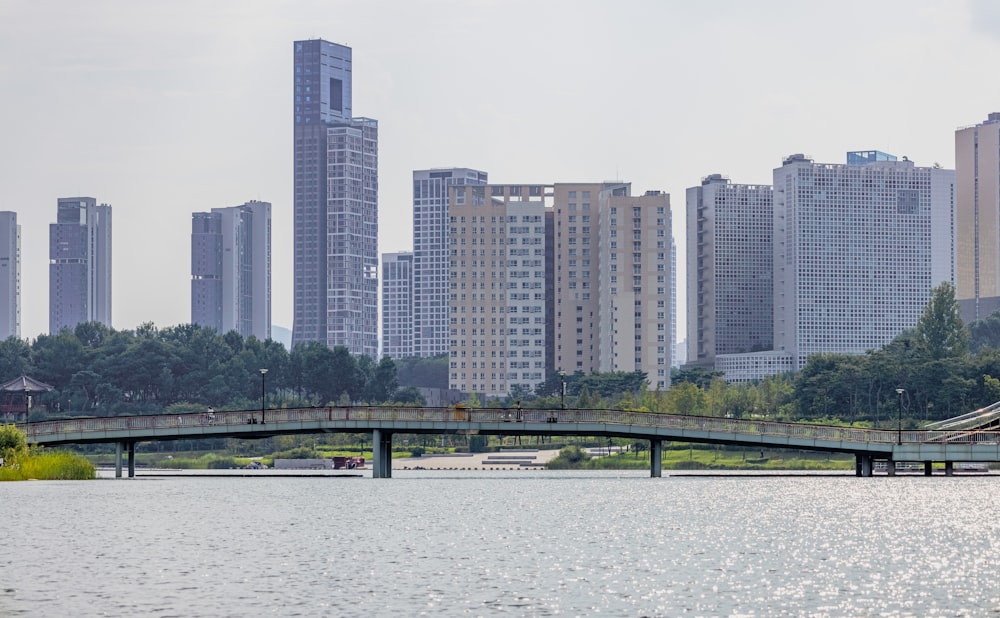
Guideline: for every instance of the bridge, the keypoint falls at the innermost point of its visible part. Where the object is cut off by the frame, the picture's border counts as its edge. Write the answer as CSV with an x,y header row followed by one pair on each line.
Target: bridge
x,y
967,443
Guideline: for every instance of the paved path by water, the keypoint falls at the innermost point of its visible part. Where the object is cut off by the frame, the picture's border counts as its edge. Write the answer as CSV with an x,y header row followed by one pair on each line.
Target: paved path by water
x,y
507,459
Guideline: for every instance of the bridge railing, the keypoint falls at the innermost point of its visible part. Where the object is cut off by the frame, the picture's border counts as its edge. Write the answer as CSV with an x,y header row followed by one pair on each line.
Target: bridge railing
x,y
188,424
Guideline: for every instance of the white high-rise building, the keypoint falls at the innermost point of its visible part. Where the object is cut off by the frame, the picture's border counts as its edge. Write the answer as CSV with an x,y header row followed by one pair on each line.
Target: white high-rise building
x,y
429,317
856,252
729,269
10,275
397,304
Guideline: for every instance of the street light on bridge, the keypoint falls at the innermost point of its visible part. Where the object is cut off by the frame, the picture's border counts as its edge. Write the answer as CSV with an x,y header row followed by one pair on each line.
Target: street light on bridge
x,y
899,415
263,372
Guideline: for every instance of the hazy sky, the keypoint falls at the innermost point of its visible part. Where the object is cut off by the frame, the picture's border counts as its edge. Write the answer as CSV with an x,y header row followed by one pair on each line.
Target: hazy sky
x,y
169,107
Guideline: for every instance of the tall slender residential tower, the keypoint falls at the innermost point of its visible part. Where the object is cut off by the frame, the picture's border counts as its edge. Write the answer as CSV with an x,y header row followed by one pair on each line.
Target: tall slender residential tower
x,y
729,269
10,275
335,288
977,218
397,304
79,264
231,269
430,256
635,298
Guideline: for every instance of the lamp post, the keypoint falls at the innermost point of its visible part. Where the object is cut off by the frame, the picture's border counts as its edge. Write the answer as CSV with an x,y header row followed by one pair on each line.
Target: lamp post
x,y
562,377
263,372
899,415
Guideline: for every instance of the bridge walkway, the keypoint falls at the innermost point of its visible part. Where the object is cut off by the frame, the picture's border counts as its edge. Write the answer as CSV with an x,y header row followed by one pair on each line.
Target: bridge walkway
x,y
868,445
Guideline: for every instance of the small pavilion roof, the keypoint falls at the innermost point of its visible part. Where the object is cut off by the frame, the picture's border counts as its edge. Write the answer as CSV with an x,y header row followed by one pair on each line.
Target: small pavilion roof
x,y
24,384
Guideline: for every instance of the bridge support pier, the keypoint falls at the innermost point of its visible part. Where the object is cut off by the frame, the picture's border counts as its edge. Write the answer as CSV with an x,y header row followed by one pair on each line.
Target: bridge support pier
x,y
927,468
865,465
655,458
381,454
949,468
118,459
890,467
131,460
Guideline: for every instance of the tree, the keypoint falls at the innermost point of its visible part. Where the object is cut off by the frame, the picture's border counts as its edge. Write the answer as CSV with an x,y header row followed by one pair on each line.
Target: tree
x,y
940,330
695,374
12,443
686,398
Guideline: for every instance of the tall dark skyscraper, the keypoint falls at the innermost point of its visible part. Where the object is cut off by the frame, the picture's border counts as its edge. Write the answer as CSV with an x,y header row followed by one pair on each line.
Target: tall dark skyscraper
x,y
335,204
79,264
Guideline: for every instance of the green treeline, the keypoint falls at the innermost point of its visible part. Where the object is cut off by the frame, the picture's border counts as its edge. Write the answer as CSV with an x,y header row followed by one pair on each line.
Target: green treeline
x,y
944,368
99,371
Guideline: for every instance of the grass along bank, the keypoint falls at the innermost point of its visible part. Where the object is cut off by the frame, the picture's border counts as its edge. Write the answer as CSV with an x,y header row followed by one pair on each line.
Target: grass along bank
x,y
575,458
18,462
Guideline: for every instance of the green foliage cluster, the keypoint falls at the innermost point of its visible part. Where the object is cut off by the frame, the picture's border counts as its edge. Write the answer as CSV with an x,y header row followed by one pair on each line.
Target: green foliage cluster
x,y
100,371
20,463
931,363
569,457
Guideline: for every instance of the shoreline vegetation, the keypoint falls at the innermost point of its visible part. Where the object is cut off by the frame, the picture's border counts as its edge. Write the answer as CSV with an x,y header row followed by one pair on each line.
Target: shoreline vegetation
x,y
571,457
19,462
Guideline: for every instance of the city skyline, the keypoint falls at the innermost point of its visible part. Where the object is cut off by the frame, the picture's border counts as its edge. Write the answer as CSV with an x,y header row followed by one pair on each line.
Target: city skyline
x,y
175,116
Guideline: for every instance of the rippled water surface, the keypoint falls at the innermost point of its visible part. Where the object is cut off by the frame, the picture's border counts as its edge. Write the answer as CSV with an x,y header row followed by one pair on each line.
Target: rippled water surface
x,y
510,544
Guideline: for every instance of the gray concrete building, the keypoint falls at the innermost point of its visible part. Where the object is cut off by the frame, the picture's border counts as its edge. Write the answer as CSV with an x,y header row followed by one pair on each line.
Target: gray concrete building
x,y
231,269
335,204
729,269
79,264
397,304
10,275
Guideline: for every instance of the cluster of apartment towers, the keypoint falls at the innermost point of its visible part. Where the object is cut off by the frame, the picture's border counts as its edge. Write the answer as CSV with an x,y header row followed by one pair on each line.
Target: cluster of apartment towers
x,y
515,282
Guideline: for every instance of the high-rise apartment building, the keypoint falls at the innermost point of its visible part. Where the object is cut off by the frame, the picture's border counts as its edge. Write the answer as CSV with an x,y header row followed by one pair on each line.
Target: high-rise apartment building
x,y
79,264
10,275
497,287
977,218
335,200
612,285
635,283
857,250
729,269
397,304
231,269
577,270
430,256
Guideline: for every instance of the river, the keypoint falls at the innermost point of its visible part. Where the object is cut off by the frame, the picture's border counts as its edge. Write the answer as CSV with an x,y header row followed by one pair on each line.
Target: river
x,y
493,543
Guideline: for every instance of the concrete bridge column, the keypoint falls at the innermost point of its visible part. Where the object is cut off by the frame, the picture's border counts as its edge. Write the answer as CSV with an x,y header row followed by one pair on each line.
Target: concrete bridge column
x,y
655,458
927,468
857,464
890,467
381,454
118,460
866,465
131,460
949,468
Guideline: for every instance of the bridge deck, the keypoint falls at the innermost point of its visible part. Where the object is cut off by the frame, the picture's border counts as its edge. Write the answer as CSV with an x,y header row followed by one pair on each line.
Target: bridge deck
x,y
910,445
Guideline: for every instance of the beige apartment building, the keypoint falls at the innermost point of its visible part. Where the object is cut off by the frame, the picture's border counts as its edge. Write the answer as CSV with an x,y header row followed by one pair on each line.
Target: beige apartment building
x,y
497,287
977,218
566,277
612,280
